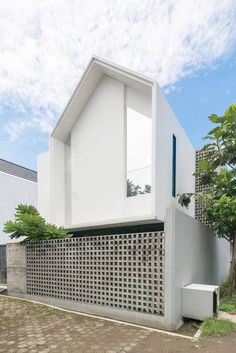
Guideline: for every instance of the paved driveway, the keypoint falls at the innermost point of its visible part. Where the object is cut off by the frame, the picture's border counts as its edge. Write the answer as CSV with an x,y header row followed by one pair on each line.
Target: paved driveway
x,y
31,328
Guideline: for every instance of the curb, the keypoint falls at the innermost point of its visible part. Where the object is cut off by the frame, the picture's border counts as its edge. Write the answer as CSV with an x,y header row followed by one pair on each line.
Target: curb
x,y
198,333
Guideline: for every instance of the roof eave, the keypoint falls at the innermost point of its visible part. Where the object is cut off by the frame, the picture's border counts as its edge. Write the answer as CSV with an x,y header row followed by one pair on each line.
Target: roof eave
x,y
95,60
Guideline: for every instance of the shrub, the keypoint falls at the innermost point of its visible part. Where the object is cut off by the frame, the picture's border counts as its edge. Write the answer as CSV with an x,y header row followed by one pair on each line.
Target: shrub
x,y
32,226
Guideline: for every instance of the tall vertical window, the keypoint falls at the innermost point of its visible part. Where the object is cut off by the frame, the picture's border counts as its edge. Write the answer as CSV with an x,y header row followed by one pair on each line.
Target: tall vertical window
x,y
173,166
139,144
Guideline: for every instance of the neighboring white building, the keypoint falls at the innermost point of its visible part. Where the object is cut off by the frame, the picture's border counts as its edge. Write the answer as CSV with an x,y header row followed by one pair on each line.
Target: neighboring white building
x,y
17,185
116,124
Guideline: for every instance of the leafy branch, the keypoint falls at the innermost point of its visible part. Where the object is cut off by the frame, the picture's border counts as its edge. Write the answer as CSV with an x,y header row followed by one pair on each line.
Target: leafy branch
x,y
217,172
32,226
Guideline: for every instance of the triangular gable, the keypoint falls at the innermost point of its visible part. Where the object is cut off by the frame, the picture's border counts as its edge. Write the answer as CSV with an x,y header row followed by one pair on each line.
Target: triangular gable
x,y
95,70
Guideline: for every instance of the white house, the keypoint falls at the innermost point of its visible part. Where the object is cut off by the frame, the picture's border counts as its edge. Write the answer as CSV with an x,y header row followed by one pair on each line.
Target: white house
x,y
117,126
17,185
117,159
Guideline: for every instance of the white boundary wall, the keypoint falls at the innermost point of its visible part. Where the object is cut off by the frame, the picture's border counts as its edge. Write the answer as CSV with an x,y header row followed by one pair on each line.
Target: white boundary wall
x,y
193,255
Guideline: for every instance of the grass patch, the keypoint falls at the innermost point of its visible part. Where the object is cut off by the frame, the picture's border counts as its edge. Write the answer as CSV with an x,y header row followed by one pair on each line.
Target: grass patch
x,y
217,327
224,289
228,305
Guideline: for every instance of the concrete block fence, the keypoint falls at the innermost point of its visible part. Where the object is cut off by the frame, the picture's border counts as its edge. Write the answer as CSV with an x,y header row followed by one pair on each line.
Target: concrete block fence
x,y
119,276
133,277
16,268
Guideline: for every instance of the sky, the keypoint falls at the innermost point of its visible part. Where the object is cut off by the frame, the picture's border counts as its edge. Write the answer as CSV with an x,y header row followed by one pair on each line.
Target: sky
x,y
188,46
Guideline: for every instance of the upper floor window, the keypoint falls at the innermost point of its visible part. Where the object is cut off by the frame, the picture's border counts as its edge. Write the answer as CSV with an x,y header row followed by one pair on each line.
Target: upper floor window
x,y
139,143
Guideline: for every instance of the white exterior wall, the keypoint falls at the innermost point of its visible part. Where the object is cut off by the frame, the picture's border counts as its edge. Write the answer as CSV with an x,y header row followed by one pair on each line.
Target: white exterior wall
x,y
43,185
97,149
88,172
68,189
98,159
57,174
193,255
14,190
167,125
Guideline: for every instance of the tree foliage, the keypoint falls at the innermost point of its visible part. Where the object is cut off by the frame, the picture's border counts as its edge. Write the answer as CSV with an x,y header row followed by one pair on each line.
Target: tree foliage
x,y
218,173
133,190
32,226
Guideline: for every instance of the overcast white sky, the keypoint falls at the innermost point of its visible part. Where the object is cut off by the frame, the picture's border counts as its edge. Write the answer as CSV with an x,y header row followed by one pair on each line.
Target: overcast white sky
x,y
45,45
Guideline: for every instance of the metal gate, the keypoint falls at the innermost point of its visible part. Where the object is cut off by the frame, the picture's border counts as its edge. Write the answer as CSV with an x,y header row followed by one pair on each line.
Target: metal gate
x,y
3,264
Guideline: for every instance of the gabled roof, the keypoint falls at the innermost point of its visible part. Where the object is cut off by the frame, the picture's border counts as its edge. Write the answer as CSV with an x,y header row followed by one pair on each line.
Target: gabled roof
x,y
17,170
95,70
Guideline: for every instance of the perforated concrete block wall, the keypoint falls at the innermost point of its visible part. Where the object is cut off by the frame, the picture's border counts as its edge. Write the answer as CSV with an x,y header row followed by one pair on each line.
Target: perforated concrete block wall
x,y
199,206
124,271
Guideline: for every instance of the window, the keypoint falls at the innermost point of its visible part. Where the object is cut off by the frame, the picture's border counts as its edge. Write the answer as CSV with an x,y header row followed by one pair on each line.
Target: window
x,y
139,145
174,166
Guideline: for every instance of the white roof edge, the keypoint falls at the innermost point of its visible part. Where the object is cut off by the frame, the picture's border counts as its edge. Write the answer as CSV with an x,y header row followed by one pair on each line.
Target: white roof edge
x,y
96,59
73,95
123,69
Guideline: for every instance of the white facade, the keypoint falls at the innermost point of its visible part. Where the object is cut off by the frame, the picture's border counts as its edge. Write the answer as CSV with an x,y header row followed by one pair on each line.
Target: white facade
x,y
13,191
192,255
82,179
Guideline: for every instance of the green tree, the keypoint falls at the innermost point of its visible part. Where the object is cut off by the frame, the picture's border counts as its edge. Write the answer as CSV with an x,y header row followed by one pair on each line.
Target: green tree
x,y
32,226
147,189
133,190
218,172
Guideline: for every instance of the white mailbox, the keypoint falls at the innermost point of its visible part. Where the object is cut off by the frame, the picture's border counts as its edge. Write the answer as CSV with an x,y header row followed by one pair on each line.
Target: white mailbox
x,y
200,301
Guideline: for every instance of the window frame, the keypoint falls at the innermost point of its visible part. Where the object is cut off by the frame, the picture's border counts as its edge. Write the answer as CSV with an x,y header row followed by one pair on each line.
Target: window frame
x,y
174,145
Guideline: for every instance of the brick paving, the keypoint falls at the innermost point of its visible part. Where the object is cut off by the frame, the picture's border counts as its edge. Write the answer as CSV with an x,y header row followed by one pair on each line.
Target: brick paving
x,y
31,328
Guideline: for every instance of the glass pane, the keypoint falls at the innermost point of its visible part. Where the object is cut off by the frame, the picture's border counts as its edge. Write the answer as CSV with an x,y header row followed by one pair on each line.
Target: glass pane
x,y
139,137
174,166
